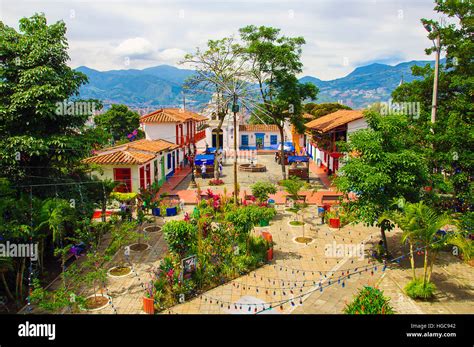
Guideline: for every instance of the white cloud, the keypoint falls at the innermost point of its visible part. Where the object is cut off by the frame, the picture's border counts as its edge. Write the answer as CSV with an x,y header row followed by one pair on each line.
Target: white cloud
x,y
171,55
103,32
137,47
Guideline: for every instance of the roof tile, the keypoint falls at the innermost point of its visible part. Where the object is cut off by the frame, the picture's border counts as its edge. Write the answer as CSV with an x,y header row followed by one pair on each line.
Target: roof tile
x,y
335,119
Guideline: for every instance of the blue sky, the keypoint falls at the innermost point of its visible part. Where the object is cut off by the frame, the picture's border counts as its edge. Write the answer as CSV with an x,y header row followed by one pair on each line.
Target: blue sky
x,y
340,34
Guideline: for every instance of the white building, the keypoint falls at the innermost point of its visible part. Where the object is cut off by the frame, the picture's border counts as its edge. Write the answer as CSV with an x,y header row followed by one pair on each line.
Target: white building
x,y
137,164
175,125
323,133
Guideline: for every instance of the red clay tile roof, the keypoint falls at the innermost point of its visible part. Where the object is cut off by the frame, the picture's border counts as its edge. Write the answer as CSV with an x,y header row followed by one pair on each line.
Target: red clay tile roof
x,y
335,119
136,152
120,157
258,127
171,115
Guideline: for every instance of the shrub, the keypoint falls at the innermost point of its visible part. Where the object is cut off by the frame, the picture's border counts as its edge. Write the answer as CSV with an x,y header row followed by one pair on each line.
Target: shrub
x,y
369,300
123,197
261,190
180,236
416,290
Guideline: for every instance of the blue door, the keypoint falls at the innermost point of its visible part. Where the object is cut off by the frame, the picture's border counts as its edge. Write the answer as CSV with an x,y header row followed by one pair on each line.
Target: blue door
x,y
245,141
260,140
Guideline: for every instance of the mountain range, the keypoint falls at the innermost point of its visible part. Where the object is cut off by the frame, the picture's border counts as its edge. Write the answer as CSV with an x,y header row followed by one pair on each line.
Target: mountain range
x,y
161,86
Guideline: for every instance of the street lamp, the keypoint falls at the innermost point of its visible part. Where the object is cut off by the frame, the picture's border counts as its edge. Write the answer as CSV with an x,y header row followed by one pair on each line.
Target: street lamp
x,y
235,109
437,46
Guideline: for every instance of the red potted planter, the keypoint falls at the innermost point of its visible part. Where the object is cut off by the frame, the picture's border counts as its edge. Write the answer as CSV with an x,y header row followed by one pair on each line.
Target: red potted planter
x,y
270,254
149,305
334,222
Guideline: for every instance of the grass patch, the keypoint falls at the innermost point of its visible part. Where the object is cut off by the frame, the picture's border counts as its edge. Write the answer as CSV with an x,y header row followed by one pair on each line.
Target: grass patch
x,y
296,223
416,290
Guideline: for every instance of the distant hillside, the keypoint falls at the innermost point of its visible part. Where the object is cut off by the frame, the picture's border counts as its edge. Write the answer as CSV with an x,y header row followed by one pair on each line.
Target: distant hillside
x,y
161,86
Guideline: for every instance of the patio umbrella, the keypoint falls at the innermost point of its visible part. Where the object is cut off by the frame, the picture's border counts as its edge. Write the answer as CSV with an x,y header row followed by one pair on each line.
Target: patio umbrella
x,y
287,146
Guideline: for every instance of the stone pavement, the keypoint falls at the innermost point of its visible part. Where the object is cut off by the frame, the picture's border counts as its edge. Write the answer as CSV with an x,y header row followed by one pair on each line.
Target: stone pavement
x,y
292,276
290,283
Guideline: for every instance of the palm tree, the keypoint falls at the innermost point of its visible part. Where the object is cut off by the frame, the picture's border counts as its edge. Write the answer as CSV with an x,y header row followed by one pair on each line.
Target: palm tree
x,y
406,221
421,225
55,215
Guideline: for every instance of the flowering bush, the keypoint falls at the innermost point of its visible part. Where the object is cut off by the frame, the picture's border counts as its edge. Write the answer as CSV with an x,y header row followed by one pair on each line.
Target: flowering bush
x,y
369,300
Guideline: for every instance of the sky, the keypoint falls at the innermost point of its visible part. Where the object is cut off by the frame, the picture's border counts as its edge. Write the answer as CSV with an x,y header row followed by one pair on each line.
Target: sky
x,y
340,34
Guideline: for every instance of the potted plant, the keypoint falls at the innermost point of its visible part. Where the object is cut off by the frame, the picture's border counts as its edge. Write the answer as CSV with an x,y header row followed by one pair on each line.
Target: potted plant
x,y
149,299
155,208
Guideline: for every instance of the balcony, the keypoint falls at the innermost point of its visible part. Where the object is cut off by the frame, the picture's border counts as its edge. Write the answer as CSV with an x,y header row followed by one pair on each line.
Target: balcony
x,y
200,135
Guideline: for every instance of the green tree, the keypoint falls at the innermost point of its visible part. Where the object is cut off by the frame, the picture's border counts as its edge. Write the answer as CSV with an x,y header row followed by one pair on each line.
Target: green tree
x,y
446,147
217,68
319,110
261,190
274,62
40,121
384,165
119,121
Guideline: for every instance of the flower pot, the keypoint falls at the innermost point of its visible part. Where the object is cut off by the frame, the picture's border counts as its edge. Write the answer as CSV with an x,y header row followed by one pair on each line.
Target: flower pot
x,y
171,211
156,211
267,236
264,223
270,254
149,305
334,222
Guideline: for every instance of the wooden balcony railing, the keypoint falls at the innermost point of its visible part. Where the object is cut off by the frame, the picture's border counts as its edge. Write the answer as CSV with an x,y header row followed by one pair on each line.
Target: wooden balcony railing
x,y
200,135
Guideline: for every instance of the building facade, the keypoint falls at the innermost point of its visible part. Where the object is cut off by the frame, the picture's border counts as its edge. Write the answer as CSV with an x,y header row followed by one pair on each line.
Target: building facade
x,y
175,125
136,165
322,135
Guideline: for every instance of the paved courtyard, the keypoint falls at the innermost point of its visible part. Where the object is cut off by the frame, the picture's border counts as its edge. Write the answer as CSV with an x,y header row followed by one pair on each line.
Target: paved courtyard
x,y
291,282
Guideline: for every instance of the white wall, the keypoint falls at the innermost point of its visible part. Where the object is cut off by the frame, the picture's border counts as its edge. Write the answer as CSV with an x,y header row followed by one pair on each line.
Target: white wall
x,y
108,173
161,131
253,138
356,125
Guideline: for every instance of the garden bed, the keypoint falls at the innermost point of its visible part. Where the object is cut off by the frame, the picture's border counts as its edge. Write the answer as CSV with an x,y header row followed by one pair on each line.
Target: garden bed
x,y
139,247
303,239
96,302
152,229
119,271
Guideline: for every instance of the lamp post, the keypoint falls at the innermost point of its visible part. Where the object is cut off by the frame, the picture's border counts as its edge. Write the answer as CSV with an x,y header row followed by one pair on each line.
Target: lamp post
x,y
235,109
437,46
192,155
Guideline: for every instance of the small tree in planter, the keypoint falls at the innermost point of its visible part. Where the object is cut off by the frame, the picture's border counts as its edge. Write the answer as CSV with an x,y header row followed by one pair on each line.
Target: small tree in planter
x,y
369,300
95,276
262,190
62,297
122,234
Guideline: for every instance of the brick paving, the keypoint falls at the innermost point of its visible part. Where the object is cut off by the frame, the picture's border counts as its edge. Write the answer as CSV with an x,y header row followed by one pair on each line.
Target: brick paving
x,y
294,273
